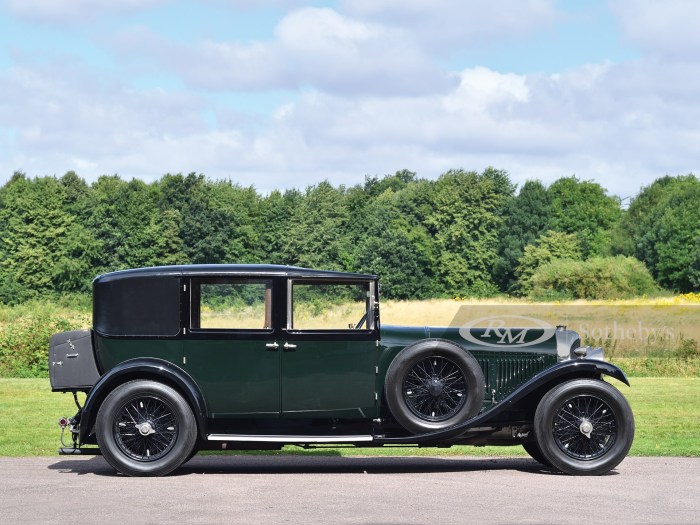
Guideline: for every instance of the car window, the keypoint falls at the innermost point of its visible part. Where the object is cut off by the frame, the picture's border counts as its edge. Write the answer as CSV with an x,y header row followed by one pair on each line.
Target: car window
x,y
232,304
330,306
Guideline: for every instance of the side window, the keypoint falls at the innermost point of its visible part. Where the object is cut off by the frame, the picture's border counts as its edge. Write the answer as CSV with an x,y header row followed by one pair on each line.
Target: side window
x,y
231,304
330,306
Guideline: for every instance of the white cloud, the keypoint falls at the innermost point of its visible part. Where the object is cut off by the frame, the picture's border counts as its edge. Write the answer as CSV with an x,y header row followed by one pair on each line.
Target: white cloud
x,y
63,116
62,11
445,24
608,122
667,29
312,47
607,128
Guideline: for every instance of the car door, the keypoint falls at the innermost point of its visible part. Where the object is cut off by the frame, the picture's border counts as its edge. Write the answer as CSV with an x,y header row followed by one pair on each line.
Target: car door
x,y
230,349
329,349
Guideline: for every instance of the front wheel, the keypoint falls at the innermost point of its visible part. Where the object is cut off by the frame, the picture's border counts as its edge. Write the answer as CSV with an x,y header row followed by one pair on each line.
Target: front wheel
x,y
533,449
584,427
145,428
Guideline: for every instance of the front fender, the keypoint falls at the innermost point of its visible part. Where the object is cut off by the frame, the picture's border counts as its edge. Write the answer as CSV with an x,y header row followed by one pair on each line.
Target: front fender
x,y
556,374
143,368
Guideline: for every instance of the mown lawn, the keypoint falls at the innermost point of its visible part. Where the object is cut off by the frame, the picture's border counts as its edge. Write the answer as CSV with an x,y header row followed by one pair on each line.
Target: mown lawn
x,y
667,413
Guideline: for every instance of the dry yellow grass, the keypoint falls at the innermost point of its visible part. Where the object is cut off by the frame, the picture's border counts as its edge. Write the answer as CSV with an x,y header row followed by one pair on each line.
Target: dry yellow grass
x,y
305,318
441,312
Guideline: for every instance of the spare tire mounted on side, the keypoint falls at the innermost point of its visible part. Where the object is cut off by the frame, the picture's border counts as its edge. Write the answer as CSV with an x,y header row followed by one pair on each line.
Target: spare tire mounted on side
x,y
434,384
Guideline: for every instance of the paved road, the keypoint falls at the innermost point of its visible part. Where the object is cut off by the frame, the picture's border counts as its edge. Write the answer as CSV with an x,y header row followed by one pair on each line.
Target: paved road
x,y
331,489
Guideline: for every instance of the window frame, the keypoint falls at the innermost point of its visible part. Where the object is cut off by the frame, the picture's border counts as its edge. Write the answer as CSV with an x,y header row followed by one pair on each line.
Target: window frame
x,y
195,305
372,324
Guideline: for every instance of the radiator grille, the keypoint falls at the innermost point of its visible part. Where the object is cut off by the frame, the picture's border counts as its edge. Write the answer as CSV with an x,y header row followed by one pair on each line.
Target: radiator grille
x,y
513,371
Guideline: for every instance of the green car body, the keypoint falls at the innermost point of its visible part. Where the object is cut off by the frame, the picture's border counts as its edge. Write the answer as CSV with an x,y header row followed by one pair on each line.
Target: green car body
x,y
258,356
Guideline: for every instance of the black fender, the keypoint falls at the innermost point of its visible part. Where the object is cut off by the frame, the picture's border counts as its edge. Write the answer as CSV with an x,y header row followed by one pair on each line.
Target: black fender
x,y
143,368
554,375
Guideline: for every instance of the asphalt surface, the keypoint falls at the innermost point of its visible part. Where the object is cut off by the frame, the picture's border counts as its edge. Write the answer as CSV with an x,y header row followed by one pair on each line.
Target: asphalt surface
x,y
332,489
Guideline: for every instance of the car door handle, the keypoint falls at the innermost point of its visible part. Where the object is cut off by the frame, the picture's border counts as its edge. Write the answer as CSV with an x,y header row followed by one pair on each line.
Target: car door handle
x,y
289,347
272,347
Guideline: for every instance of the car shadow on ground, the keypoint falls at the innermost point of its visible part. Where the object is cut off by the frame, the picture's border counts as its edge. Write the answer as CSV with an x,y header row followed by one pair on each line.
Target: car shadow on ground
x,y
292,464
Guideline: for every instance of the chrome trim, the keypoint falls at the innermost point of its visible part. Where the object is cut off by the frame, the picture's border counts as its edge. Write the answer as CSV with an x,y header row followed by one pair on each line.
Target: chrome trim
x,y
290,321
371,302
288,439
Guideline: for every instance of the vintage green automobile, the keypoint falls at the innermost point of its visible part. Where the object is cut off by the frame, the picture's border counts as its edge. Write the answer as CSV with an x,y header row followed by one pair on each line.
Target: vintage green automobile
x,y
187,358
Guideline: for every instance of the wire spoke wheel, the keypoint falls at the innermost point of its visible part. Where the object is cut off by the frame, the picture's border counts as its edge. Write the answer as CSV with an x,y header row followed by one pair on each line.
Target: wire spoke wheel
x,y
585,427
145,428
435,388
433,384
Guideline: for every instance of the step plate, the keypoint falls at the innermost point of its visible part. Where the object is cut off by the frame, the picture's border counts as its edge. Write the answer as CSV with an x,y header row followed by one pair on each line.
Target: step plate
x,y
289,439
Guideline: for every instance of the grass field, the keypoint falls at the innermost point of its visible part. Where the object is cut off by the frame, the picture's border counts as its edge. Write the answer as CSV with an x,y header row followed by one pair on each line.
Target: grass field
x,y
666,410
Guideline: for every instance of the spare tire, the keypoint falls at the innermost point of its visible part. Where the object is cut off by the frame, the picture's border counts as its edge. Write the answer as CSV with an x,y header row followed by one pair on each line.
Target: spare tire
x,y
434,384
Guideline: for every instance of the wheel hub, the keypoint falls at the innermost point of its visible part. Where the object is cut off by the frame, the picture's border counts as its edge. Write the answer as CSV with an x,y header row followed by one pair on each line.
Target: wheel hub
x,y
586,428
435,387
145,429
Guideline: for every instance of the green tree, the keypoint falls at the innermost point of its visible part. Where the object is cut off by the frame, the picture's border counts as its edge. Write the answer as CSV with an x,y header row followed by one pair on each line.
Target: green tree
x,y
276,212
43,248
396,247
467,210
375,186
218,220
166,247
584,209
526,218
131,229
317,230
663,225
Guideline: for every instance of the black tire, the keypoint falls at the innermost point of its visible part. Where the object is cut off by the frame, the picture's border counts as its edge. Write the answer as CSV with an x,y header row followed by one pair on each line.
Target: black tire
x,y
191,455
145,428
533,449
434,384
584,427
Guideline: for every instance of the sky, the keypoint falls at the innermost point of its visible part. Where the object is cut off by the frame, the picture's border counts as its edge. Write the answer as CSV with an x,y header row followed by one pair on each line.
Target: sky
x,y
282,94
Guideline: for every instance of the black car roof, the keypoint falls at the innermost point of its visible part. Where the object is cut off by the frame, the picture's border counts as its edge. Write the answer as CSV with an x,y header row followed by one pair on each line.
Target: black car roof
x,y
216,270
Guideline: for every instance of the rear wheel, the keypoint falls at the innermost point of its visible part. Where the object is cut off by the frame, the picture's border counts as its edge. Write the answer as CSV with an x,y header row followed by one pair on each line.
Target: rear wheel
x,y
145,428
434,384
584,427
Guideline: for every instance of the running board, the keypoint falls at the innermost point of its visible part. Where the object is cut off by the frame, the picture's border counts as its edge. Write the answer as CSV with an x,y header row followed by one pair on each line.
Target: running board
x,y
288,439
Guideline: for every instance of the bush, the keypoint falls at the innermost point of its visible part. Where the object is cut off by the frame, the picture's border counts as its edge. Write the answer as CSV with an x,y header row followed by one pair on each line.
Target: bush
x,y
550,246
25,332
596,278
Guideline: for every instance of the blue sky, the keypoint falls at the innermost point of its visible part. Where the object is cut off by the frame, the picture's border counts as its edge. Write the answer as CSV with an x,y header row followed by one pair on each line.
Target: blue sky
x,y
286,93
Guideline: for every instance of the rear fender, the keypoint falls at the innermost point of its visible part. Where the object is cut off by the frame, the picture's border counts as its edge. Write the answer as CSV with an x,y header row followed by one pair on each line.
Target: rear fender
x,y
143,368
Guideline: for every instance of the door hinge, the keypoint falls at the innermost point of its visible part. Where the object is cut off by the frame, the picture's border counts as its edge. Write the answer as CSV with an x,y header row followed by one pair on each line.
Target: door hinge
x,y
184,331
184,287
376,396
184,360
376,370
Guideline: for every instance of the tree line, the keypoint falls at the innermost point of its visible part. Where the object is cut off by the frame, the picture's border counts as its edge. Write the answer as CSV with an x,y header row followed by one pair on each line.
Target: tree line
x,y
464,234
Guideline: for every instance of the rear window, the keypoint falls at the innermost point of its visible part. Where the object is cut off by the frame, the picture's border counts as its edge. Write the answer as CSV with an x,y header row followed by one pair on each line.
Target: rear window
x,y
231,304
